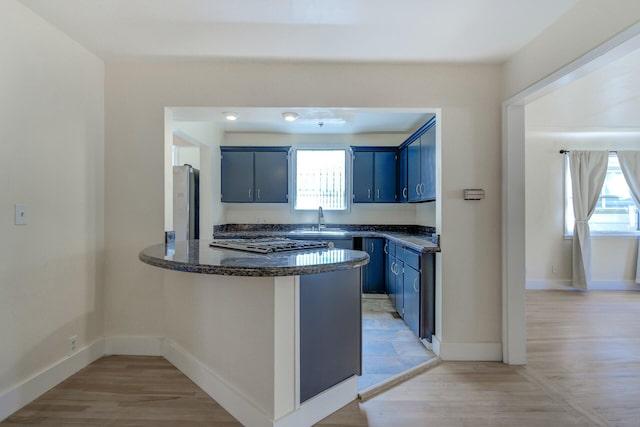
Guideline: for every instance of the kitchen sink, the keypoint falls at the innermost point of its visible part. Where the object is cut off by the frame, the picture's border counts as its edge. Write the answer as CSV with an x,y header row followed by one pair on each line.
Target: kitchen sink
x,y
327,231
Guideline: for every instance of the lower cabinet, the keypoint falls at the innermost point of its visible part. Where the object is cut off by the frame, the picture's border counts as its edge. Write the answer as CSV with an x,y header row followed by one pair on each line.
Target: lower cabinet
x,y
330,330
410,284
411,297
390,277
373,273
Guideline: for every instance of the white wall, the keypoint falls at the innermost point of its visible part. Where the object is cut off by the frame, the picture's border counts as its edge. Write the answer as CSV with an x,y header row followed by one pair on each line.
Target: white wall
x,y
469,96
52,121
582,28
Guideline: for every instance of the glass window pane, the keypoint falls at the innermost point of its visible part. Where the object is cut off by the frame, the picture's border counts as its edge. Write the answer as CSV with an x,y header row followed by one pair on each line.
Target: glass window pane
x,y
320,179
615,210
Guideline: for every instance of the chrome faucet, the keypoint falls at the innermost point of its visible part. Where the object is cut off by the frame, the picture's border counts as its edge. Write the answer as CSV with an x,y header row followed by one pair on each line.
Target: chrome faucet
x,y
320,218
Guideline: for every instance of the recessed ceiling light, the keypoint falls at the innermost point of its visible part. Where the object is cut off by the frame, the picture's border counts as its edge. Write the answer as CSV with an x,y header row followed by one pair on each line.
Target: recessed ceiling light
x,y
290,116
230,116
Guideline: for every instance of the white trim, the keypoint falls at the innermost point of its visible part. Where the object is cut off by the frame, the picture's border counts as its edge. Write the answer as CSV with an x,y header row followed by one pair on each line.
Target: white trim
x,y
471,352
233,401
30,389
597,285
134,346
435,341
513,281
322,405
285,345
513,235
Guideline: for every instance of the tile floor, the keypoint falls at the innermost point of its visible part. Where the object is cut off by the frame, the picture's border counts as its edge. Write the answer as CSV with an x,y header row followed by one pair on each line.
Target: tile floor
x,y
388,345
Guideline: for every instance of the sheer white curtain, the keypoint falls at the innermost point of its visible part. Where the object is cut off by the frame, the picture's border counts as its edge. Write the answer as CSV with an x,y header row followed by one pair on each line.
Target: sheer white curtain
x,y
588,170
630,165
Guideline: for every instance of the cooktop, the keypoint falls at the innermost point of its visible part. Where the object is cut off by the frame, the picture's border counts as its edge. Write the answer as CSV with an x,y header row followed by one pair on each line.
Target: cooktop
x,y
269,245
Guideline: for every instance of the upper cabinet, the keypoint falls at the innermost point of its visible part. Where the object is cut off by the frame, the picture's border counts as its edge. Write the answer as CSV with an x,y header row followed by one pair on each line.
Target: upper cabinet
x,y
254,174
374,174
421,164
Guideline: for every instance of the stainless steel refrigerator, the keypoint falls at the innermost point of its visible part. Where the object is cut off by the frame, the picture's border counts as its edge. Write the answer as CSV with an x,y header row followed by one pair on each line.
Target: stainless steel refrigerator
x,y
186,203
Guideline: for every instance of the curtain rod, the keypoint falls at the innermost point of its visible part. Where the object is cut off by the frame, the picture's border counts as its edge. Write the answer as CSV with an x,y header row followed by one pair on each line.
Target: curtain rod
x,y
568,151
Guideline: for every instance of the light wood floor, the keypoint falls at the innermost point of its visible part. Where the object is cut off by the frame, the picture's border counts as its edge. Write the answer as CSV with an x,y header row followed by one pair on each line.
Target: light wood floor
x,y
583,369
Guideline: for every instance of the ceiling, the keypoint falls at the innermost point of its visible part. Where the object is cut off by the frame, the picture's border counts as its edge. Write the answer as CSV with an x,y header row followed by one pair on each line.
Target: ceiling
x,y
317,30
310,120
605,100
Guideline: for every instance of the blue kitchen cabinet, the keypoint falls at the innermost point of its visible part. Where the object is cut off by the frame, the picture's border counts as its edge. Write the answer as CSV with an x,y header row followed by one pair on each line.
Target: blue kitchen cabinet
x,y
428,296
428,164
413,171
271,176
374,174
373,277
237,176
411,298
254,174
403,187
390,278
421,163
384,176
363,177
398,291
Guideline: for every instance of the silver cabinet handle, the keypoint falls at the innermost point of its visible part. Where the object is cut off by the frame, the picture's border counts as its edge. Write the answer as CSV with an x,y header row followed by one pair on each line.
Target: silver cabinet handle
x,y
368,193
378,193
373,248
258,193
404,192
385,249
415,281
422,189
250,194
418,189
393,265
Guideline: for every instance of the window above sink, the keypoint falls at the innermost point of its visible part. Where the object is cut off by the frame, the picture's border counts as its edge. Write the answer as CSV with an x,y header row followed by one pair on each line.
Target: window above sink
x,y
321,179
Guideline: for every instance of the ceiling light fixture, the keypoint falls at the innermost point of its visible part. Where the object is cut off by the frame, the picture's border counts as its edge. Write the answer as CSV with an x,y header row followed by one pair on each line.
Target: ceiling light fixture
x,y
290,116
230,116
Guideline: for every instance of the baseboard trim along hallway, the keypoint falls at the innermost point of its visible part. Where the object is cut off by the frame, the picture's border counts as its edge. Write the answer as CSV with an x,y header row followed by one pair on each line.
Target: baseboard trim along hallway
x,y
30,389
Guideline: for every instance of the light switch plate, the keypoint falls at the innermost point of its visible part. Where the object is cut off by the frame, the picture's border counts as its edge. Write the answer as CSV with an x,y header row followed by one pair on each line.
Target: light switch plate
x,y
21,214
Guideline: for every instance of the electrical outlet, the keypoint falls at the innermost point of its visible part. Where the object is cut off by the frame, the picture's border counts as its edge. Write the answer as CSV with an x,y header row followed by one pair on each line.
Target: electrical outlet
x,y
73,344
555,269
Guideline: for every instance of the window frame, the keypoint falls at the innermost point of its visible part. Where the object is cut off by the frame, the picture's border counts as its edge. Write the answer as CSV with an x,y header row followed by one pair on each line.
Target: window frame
x,y
348,156
568,207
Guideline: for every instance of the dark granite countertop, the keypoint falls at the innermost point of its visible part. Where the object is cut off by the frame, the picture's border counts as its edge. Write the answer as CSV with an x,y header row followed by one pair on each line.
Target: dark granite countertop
x,y
413,237
196,256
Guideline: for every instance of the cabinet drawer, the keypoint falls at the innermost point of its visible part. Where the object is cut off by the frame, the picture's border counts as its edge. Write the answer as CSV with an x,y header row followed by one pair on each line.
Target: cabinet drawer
x,y
412,258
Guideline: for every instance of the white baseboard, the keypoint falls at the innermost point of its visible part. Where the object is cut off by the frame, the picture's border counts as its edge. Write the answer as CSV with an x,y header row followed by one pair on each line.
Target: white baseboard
x,y
596,285
21,394
134,346
322,405
230,399
469,352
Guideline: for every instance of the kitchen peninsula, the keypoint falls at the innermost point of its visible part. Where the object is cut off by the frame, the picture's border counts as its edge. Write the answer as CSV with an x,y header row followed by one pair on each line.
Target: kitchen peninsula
x,y
275,338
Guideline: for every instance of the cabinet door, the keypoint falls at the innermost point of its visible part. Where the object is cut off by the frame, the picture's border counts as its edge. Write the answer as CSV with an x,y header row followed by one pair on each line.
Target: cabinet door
x,y
363,177
384,178
411,294
271,176
428,164
413,171
428,296
374,271
399,289
403,189
237,176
